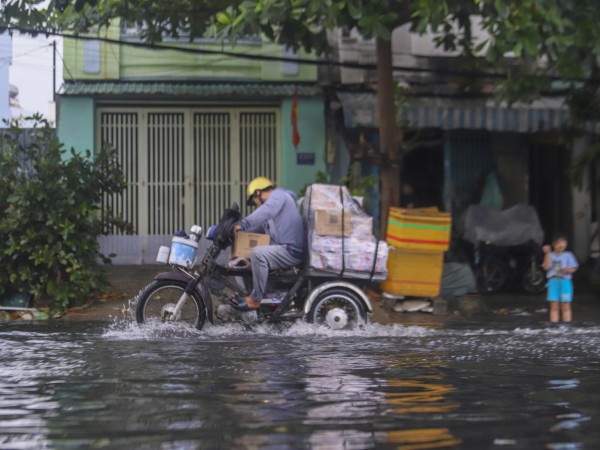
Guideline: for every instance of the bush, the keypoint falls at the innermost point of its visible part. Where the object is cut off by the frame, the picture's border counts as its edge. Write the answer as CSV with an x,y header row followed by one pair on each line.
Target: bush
x,y
50,202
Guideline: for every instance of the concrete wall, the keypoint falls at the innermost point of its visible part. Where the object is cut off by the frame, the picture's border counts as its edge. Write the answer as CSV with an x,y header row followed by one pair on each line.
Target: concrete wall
x,y
296,170
298,166
76,123
95,60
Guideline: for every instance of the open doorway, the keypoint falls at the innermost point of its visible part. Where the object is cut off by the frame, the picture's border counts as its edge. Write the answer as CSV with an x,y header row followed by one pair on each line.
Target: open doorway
x,y
423,169
549,185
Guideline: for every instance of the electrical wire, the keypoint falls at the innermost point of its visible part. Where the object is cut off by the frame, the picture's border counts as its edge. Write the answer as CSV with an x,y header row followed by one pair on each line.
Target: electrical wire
x,y
64,64
303,61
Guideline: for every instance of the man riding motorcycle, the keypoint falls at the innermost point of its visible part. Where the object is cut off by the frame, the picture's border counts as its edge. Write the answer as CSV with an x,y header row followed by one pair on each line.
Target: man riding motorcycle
x,y
276,215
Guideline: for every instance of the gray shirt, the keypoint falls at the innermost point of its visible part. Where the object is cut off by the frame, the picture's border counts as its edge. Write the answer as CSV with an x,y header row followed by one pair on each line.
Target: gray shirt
x,y
280,218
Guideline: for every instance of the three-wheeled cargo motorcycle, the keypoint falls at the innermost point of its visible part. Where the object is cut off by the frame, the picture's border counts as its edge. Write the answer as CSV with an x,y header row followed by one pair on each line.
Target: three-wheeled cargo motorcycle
x,y
194,293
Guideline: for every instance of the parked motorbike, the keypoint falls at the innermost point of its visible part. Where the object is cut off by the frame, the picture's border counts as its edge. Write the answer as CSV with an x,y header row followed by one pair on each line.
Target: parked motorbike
x,y
498,267
505,247
186,293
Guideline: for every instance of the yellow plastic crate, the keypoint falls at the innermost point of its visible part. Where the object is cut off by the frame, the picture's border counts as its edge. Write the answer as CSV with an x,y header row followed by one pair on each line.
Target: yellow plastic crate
x,y
418,229
413,273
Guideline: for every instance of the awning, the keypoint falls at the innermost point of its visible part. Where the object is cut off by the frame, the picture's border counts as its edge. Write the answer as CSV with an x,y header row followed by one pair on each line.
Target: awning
x,y
360,110
174,89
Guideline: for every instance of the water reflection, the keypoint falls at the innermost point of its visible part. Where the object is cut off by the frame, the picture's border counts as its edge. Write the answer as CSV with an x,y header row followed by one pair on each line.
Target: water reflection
x,y
389,388
349,390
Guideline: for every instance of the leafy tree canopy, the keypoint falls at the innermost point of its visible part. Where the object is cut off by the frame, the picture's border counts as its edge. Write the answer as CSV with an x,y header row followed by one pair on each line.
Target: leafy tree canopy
x,y
550,40
551,44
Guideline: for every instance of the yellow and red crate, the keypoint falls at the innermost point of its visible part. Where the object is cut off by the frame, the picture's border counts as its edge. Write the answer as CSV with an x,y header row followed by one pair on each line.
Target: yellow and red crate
x,y
418,238
419,229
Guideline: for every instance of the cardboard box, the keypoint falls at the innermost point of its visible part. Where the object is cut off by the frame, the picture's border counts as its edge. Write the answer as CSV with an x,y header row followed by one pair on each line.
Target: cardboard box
x,y
245,242
329,223
328,196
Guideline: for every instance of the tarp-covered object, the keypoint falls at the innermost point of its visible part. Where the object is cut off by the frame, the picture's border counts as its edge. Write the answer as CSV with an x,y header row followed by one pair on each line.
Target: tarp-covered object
x,y
457,279
340,235
513,226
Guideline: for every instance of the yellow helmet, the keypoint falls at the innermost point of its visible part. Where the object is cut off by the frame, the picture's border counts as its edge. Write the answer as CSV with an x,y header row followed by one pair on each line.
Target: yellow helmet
x,y
258,184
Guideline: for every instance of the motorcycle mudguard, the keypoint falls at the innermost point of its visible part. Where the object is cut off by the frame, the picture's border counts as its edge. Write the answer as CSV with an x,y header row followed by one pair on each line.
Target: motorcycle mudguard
x,y
337,284
200,288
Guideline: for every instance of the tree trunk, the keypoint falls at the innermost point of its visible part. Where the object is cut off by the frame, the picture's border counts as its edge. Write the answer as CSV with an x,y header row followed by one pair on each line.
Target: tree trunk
x,y
390,168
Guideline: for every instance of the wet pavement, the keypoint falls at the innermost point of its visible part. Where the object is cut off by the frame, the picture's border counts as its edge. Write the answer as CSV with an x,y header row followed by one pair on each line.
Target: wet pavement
x,y
126,281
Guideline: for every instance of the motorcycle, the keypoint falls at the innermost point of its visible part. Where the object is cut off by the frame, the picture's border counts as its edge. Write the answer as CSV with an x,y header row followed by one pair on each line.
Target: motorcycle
x,y
497,267
504,248
186,293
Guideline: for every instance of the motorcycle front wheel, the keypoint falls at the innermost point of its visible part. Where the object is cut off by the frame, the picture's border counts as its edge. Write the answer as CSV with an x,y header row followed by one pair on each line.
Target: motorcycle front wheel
x,y
157,302
338,309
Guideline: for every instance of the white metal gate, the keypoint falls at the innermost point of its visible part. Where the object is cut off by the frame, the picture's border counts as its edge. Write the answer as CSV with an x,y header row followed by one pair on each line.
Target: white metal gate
x,y
182,166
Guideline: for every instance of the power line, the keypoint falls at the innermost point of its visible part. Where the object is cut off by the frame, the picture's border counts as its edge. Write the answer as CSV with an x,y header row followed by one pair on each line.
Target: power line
x,y
64,64
317,62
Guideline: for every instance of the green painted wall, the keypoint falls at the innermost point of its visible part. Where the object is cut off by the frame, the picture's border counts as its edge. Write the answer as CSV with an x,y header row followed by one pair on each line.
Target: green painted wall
x,y
311,128
109,56
76,123
87,60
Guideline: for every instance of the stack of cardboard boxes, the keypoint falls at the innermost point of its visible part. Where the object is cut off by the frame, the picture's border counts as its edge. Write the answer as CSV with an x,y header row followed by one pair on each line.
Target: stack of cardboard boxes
x,y
340,234
418,239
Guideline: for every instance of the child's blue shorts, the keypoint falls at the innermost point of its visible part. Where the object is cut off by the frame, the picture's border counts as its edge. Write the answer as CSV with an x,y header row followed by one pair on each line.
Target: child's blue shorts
x,y
560,290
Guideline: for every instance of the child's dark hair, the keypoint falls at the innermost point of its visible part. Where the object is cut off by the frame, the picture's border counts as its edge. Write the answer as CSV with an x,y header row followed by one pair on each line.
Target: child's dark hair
x,y
559,237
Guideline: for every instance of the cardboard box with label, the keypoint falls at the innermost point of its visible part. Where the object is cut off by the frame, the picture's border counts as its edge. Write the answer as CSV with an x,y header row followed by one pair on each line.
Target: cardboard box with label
x,y
329,223
245,242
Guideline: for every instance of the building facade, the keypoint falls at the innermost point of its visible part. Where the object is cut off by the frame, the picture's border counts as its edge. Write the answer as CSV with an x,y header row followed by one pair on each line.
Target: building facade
x,y
453,139
190,128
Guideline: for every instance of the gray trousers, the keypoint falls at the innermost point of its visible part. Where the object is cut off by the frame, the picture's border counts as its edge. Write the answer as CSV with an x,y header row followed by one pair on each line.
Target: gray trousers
x,y
264,259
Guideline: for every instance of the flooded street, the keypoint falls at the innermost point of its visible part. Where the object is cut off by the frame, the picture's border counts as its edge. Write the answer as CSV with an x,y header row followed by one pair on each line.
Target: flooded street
x,y
508,383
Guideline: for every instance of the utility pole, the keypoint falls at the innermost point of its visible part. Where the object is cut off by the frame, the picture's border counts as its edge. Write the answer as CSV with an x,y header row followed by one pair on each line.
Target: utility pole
x,y
53,71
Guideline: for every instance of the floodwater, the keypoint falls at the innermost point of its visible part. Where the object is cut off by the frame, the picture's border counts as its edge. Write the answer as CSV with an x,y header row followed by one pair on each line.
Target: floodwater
x,y
508,383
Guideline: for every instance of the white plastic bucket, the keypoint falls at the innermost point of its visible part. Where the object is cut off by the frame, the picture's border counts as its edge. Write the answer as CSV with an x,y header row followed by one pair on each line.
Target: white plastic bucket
x,y
163,254
183,252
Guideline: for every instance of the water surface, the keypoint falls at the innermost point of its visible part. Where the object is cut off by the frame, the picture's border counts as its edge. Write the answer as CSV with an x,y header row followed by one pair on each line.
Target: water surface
x,y
510,383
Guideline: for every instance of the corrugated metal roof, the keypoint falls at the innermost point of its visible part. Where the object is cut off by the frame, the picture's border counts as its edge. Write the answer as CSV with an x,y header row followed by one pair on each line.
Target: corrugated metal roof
x,y
453,114
133,88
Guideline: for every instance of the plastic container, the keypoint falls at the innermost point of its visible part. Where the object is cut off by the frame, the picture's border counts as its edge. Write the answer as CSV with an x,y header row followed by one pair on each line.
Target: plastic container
x,y
163,254
413,273
418,229
183,252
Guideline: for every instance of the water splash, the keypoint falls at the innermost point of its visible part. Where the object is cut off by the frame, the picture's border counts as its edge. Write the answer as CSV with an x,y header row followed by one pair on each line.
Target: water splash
x,y
131,331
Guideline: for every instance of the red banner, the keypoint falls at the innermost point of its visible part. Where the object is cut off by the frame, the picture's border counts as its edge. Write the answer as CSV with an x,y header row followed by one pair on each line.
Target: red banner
x,y
295,135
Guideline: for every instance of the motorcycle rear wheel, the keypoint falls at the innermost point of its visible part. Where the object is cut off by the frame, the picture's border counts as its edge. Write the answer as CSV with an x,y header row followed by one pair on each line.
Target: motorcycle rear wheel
x,y
338,309
158,299
491,277
534,280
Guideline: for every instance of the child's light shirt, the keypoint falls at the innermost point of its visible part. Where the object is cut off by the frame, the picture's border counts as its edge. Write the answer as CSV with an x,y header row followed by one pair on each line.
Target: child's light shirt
x,y
565,260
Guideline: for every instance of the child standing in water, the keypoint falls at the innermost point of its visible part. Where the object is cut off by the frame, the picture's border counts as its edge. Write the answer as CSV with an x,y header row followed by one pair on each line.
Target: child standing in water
x,y
559,265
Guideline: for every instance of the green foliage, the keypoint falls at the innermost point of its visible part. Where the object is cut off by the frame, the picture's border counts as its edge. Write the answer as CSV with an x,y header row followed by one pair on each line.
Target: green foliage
x,y
320,177
303,24
358,185
50,222
529,45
